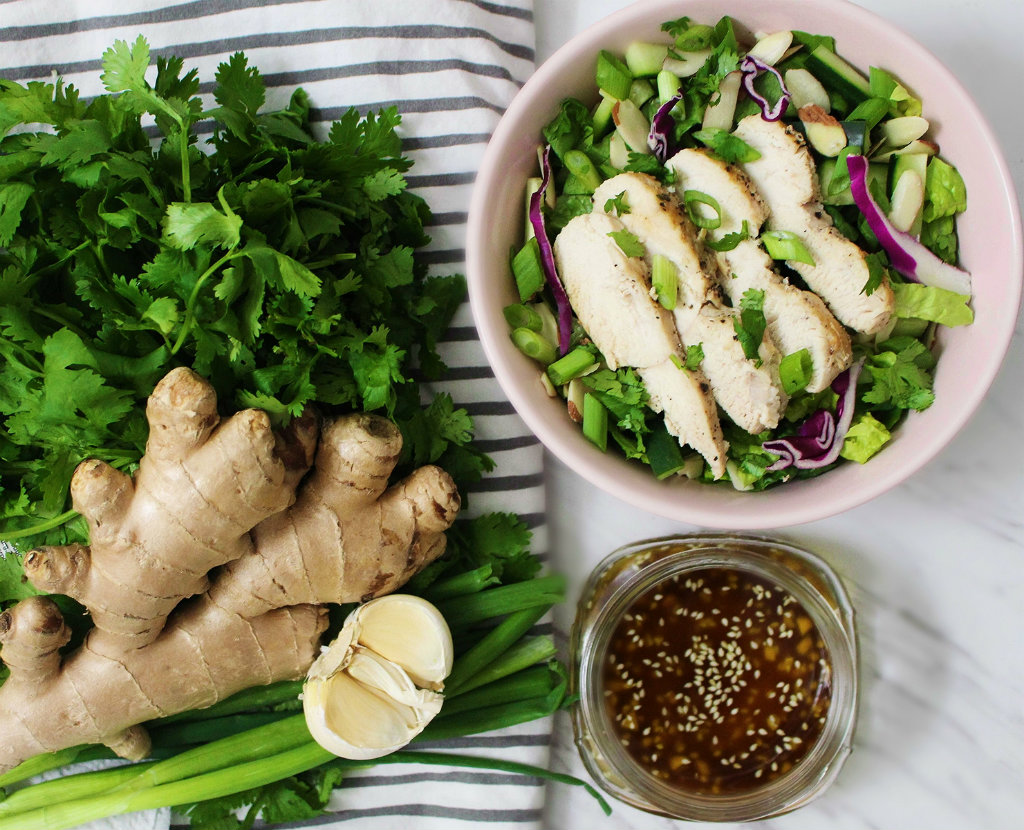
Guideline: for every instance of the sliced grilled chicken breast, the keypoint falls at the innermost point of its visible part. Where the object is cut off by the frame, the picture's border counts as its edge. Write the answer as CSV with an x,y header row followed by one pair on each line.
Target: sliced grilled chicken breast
x,y
610,293
797,319
749,392
786,179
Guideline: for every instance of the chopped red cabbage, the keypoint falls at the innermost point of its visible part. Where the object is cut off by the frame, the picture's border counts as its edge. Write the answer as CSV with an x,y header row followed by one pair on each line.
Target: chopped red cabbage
x,y
906,253
820,438
659,139
751,67
547,257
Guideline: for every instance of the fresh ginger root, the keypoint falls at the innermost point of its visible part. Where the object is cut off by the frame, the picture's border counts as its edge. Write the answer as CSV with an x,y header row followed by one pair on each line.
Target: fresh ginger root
x,y
208,571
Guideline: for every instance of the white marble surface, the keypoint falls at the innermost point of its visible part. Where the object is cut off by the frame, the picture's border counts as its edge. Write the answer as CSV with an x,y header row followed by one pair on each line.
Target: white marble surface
x,y
935,568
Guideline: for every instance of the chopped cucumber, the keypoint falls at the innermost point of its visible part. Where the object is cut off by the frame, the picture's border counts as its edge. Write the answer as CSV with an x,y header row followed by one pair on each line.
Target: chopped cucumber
x,y
857,134
836,73
644,60
663,453
602,115
641,91
583,170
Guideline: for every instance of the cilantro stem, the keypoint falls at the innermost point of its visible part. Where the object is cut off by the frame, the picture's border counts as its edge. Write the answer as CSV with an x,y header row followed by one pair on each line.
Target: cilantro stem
x,y
323,263
190,310
42,527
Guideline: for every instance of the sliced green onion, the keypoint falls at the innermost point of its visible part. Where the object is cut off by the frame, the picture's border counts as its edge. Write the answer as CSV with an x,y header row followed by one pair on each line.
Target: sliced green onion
x,y
786,245
665,281
574,364
527,269
668,86
582,168
795,371
691,198
534,346
613,76
595,422
519,316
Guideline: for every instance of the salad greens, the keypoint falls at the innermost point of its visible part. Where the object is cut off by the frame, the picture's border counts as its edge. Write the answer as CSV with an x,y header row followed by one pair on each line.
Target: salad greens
x,y
687,77
277,265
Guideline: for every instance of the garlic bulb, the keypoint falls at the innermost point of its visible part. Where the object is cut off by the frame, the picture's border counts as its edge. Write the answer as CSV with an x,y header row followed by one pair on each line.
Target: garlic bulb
x,y
377,686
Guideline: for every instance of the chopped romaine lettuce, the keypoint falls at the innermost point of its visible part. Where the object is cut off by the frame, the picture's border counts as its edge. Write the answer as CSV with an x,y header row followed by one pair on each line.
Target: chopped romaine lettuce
x,y
937,305
866,436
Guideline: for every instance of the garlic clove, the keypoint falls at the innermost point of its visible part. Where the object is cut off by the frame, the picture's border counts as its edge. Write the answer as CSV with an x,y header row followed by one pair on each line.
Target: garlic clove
x,y
391,681
353,721
411,632
375,687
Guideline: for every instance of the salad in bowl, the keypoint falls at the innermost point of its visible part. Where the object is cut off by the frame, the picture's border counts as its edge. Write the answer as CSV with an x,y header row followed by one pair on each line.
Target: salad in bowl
x,y
735,261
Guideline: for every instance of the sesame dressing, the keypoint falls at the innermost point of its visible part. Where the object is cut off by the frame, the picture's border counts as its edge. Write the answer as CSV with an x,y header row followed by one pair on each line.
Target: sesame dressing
x,y
717,681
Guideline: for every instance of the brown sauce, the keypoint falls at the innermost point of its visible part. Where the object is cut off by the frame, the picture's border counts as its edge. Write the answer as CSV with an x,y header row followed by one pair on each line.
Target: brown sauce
x,y
717,681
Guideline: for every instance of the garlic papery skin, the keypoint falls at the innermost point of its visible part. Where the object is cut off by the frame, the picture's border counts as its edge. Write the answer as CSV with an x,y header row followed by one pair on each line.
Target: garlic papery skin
x,y
377,685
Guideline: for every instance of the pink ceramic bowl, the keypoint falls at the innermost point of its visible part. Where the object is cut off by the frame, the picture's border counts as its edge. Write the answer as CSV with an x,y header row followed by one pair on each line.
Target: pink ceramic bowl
x,y
991,249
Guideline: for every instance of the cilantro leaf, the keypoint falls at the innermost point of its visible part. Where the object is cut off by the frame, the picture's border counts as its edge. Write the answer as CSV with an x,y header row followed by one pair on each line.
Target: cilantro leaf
x,y
900,374
750,323
728,147
628,243
191,224
617,204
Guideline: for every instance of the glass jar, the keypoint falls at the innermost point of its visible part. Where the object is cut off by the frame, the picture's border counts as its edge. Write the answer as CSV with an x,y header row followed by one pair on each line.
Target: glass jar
x,y
681,574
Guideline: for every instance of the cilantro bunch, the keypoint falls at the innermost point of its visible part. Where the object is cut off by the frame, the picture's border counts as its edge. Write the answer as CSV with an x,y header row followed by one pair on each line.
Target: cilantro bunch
x,y
279,266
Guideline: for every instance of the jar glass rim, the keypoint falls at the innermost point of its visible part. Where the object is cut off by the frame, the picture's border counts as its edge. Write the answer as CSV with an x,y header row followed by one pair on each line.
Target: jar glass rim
x,y
825,601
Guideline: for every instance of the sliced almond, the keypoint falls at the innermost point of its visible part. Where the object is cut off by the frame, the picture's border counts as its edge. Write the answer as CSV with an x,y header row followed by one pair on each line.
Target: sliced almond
x,y
631,125
687,64
907,200
805,89
772,47
722,113
899,132
824,133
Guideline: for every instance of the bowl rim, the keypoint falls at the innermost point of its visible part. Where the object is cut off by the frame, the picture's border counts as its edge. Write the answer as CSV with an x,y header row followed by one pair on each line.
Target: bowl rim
x,y
727,512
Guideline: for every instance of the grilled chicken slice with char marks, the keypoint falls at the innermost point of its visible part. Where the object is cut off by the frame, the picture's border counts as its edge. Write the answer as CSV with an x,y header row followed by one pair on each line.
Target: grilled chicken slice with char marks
x,y
750,394
610,293
797,319
786,179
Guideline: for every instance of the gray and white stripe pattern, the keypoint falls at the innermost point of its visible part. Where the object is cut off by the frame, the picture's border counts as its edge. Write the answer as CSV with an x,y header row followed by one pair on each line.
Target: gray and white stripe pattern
x,y
451,67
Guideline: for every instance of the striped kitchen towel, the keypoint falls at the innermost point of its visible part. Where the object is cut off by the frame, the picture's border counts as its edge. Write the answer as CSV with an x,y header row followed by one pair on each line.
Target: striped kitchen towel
x,y
451,67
